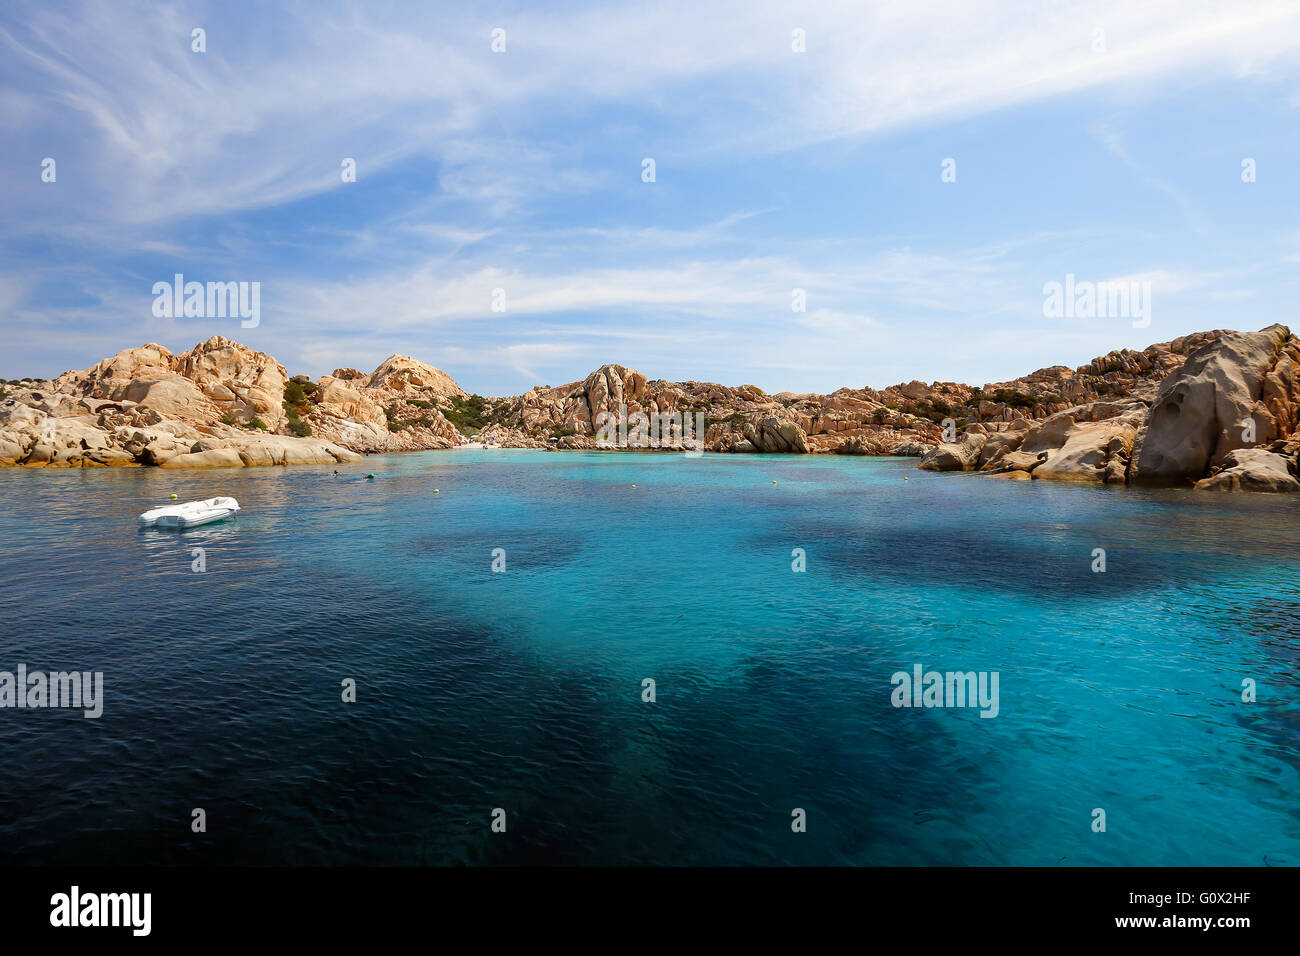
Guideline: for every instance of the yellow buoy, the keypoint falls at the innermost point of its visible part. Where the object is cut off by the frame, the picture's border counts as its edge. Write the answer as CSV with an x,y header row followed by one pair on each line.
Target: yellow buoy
x,y
435,491
174,496
634,486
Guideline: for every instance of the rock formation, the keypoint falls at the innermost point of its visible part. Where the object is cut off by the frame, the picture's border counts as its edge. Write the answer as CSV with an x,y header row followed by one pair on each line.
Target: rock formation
x,y
961,455
1200,413
395,408
219,404
1215,410
1272,468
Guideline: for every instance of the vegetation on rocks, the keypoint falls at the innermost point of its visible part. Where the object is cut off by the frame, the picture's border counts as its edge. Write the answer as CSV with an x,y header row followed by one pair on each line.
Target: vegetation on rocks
x,y
473,413
297,403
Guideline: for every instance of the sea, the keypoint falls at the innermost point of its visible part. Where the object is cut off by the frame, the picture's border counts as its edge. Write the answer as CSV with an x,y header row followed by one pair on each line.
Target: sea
x,y
512,657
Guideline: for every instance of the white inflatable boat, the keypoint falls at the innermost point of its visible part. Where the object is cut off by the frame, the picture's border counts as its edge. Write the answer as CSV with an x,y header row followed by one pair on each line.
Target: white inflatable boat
x,y
191,514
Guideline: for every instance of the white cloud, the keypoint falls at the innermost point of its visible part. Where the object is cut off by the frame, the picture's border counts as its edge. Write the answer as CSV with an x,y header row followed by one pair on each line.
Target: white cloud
x,y
266,115
152,138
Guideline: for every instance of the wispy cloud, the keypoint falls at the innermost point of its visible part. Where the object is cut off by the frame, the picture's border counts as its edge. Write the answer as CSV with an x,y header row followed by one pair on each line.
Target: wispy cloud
x,y
521,171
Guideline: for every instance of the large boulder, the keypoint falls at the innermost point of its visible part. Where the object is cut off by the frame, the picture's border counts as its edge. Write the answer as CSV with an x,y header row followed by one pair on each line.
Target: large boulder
x,y
345,399
998,444
1051,433
910,449
1091,451
401,375
1200,411
961,455
772,434
12,450
173,396
1270,469
110,377
855,446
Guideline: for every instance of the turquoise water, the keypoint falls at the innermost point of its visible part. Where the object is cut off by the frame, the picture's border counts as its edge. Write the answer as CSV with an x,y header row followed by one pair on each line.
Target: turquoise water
x,y
522,690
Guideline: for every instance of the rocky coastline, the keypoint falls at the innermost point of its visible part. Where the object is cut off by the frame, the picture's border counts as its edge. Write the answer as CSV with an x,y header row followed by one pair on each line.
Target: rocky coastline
x,y
1217,410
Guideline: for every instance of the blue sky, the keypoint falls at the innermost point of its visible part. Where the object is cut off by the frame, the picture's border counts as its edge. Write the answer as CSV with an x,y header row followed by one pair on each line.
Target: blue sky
x,y
1107,155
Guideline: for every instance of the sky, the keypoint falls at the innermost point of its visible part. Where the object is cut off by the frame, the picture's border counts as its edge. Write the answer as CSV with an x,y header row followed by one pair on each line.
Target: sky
x,y
921,170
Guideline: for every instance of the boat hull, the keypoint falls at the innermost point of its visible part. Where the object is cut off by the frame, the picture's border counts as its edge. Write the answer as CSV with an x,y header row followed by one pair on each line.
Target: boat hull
x,y
193,521
191,514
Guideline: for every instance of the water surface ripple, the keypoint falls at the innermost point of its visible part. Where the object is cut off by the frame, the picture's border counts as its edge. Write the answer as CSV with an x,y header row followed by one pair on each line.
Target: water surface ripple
x,y
522,690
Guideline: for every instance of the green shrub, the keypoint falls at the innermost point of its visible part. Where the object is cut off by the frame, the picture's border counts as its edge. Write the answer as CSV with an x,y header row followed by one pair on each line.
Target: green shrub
x,y
296,404
295,393
255,424
935,411
472,414
1103,387
1014,398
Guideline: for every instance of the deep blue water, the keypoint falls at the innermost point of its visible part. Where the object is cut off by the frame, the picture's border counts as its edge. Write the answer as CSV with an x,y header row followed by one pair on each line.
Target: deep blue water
x,y
522,690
